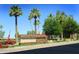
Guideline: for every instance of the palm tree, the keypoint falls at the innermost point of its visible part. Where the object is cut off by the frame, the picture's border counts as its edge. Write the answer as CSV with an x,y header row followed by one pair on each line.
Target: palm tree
x,y
38,23
34,14
15,11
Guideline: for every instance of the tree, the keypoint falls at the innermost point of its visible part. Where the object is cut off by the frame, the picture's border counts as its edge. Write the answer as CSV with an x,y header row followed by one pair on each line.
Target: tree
x,y
1,31
37,24
1,27
34,14
15,11
70,26
47,25
61,18
60,24
77,31
31,32
57,15
52,26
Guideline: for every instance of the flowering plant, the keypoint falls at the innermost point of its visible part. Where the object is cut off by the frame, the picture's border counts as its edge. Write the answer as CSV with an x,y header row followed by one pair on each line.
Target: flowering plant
x,y
0,45
9,41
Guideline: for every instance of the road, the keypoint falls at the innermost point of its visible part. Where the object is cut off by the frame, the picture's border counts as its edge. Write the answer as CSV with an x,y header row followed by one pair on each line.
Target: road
x,y
66,49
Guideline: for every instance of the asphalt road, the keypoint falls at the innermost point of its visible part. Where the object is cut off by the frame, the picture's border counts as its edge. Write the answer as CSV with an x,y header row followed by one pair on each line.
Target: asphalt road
x,y
66,49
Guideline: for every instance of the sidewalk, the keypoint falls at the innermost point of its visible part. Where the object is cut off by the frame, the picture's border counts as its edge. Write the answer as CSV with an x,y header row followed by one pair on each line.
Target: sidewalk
x,y
30,47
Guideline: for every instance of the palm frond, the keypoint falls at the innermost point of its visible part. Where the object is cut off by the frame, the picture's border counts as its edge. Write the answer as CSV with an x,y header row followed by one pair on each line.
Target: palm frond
x,y
34,13
15,11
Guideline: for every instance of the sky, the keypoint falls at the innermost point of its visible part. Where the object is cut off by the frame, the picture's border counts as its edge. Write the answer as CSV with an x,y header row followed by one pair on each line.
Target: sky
x,y
24,24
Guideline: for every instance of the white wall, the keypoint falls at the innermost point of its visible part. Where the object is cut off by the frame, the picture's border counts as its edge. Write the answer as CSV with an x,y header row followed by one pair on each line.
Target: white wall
x,y
27,40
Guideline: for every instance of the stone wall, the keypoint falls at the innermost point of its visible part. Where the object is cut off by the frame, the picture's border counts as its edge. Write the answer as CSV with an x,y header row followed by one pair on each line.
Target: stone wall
x,y
41,40
38,38
33,40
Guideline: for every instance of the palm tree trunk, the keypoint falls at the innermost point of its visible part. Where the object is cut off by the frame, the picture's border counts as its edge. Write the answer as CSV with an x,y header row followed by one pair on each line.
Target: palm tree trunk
x,y
38,29
31,25
16,30
35,27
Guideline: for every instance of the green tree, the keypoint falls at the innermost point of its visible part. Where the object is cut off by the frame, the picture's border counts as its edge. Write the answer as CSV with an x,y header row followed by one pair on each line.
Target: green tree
x,y
52,26
47,25
1,31
70,26
34,14
62,18
31,32
1,27
60,24
77,31
15,11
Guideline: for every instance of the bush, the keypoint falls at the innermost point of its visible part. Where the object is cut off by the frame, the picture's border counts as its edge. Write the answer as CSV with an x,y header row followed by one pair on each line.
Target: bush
x,y
10,42
0,45
5,46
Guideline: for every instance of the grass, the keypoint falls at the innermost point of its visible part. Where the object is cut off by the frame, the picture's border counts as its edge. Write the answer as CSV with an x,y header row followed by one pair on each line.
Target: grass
x,y
25,44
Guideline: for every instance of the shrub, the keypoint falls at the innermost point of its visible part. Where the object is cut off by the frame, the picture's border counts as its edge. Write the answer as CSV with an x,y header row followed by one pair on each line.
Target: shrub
x,y
0,45
5,46
10,42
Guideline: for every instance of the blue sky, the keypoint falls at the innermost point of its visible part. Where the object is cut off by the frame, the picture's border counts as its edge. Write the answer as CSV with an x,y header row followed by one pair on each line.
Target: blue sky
x,y
23,22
